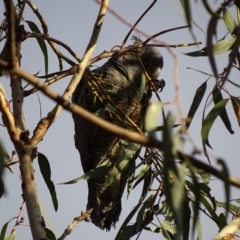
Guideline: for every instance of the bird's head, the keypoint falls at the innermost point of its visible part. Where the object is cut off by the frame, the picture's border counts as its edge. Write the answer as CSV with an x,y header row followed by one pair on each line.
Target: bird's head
x,y
151,58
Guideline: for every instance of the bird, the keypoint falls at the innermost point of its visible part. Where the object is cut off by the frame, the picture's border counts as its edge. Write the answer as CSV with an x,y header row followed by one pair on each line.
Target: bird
x,y
112,91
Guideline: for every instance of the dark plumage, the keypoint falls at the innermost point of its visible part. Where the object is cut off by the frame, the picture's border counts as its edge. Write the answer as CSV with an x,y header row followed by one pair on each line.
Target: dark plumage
x,y
120,78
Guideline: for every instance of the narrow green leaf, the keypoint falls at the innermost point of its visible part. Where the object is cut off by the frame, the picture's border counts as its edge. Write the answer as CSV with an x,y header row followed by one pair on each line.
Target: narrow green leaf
x,y
232,207
3,231
178,197
41,43
197,194
169,230
208,8
210,118
131,174
225,176
142,86
127,232
142,173
236,107
168,146
230,23
199,229
142,216
103,168
11,236
46,173
50,234
146,185
204,188
196,191
128,155
122,164
209,208
222,221
217,97
217,48
112,175
126,221
195,104
151,118
187,10
186,219
205,176
233,83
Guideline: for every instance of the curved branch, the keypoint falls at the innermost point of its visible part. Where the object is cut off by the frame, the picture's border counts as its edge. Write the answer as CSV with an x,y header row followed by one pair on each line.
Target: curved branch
x,y
119,131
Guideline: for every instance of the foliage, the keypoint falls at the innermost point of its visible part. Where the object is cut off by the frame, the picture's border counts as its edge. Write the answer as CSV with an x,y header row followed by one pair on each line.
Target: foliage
x,y
175,185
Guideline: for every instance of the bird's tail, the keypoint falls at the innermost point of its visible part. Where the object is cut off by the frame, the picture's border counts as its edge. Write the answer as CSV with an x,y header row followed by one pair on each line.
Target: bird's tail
x,y
106,204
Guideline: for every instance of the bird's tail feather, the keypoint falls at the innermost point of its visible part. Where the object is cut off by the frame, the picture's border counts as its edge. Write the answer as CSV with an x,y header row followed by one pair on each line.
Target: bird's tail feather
x,y
106,208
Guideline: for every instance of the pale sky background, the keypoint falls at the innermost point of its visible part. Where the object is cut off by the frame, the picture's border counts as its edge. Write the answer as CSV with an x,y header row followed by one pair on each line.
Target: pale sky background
x,y
71,22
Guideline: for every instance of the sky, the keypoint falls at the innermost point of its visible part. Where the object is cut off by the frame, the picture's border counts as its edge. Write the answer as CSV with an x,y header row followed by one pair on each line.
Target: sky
x,y
71,22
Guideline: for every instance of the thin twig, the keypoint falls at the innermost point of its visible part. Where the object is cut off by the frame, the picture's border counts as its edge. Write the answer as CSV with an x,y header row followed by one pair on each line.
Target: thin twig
x,y
83,217
23,4
136,23
175,45
59,76
45,30
45,37
19,219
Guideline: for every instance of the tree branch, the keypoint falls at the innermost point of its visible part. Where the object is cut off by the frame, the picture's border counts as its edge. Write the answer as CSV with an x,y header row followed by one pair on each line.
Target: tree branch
x,y
119,131
40,132
83,217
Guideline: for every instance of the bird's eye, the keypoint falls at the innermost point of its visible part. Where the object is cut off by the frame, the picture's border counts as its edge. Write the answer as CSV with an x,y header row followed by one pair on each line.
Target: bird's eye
x,y
153,72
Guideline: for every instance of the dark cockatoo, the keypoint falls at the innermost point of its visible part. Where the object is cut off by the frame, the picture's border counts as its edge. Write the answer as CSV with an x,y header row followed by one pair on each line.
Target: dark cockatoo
x,y
112,91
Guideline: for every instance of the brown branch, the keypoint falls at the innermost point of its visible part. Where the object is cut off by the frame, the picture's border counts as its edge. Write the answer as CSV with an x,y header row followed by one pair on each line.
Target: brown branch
x,y
175,45
59,75
45,123
83,217
11,41
45,37
163,32
26,154
119,131
124,21
8,118
19,219
45,30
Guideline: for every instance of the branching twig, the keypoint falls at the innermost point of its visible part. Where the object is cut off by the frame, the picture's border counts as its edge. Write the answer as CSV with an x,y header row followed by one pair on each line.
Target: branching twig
x,y
45,30
59,75
45,37
83,217
19,219
40,132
